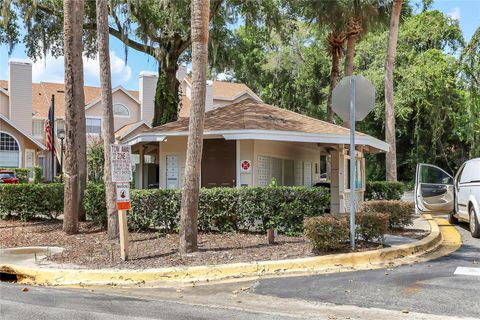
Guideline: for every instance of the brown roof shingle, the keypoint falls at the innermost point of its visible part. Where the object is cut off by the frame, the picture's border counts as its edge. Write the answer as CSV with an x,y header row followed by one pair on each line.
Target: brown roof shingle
x,y
255,115
43,91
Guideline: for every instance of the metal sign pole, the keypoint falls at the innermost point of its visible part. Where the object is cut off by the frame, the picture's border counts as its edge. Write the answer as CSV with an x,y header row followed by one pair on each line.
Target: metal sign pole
x,y
352,165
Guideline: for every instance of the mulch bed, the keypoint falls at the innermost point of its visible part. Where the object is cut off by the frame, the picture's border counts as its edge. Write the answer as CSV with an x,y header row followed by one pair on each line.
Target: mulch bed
x,y
92,249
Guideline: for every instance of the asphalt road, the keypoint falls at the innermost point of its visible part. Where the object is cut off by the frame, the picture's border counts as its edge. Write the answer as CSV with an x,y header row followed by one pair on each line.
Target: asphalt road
x,y
40,303
431,287
423,288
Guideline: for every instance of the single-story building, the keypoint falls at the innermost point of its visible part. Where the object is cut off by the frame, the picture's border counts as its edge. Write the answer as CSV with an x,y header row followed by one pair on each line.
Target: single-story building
x,y
249,143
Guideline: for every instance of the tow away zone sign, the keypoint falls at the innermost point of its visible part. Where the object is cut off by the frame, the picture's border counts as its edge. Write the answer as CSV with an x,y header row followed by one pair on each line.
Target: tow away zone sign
x,y
121,165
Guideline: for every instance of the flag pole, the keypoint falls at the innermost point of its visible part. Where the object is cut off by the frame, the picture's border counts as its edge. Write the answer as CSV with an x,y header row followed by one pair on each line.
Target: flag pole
x,y
52,129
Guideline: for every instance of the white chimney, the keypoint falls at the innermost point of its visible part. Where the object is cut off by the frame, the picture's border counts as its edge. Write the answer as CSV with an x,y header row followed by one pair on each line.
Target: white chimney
x,y
209,96
147,87
20,92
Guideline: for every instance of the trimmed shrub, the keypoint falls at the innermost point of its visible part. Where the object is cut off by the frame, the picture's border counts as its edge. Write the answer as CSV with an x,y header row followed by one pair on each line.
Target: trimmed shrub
x,y
95,203
37,175
371,226
326,233
220,209
400,213
21,173
158,208
31,200
331,232
384,190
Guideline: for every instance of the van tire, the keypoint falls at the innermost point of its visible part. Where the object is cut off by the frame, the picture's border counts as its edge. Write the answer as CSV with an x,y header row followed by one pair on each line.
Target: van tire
x,y
452,219
474,225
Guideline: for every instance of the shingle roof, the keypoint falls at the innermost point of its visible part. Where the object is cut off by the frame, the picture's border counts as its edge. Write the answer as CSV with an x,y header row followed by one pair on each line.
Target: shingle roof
x,y
250,114
42,93
227,90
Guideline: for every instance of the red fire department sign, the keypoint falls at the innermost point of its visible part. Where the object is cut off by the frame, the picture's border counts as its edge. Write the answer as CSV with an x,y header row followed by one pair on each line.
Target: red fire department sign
x,y
246,166
123,196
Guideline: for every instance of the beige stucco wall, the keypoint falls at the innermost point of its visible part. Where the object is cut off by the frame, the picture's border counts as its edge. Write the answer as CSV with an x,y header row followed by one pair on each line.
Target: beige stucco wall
x,y
340,195
247,153
288,151
175,146
221,103
249,150
118,97
4,104
22,141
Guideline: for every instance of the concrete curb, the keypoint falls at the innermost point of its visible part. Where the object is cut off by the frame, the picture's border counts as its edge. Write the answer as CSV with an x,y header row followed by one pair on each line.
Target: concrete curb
x,y
178,275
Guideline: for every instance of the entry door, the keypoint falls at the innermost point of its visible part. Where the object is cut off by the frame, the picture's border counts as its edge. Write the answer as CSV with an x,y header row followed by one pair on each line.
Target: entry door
x,y
218,163
172,172
434,190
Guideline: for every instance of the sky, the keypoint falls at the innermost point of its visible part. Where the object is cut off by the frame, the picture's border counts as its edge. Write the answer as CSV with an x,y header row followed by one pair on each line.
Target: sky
x,y
49,69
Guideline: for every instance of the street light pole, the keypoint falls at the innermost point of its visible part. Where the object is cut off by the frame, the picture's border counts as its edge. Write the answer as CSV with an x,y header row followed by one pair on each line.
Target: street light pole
x,y
61,136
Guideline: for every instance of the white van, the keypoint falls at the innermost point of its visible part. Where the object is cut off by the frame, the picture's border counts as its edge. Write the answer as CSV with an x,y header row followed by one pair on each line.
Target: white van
x,y
438,192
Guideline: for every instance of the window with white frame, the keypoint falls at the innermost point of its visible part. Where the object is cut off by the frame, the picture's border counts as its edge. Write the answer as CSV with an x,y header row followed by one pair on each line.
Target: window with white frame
x,y
120,110
94,126
359,183
9,151
38,128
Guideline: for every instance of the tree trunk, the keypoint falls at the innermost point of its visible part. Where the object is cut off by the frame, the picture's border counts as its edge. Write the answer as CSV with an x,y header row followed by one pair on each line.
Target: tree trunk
x,y
107,107
80,104
74,108
333,82
391,156
350,54
191,183
166,94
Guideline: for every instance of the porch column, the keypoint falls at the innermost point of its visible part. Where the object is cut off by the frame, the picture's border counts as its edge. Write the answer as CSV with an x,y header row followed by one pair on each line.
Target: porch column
x,y
159,164
335,182
141,166
237,166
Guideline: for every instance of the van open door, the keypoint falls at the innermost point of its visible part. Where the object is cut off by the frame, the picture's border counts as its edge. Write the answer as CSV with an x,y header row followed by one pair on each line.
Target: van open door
x,y
434,190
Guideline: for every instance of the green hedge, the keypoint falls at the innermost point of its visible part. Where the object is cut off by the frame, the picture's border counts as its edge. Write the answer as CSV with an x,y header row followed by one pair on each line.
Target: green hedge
x,y
220,209
31,200
332,231
21,173
400,213
384,190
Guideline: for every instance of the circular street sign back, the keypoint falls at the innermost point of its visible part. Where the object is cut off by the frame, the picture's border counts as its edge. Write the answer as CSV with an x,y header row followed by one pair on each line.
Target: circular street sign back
x,y
364,96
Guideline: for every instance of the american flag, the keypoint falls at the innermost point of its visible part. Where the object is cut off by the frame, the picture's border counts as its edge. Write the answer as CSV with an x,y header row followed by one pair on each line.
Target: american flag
x,y
48,130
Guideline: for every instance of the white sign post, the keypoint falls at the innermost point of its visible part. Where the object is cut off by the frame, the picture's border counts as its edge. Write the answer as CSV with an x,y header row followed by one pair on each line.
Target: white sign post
x,y
353,98
122,176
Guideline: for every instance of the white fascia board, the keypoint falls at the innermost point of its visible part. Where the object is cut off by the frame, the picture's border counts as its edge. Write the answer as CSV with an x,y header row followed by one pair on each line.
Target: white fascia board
x,y
135,127
144,138
307,137
99,98
28,136
4,92
274,135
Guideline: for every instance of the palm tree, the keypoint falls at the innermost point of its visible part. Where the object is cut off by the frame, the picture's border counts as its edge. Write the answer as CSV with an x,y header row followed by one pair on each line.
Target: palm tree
x,y
391,156
75,138
336,41
363,15
191,183
331,16
107,107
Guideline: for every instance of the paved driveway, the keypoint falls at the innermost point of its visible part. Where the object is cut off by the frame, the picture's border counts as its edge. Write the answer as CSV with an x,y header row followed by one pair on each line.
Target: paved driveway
x,y
448,286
